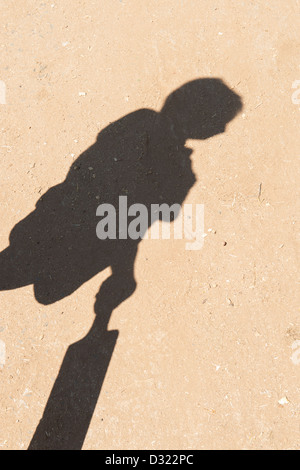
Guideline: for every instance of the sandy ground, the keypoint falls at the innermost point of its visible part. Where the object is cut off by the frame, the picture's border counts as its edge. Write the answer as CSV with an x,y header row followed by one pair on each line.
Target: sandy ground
x,y
208,350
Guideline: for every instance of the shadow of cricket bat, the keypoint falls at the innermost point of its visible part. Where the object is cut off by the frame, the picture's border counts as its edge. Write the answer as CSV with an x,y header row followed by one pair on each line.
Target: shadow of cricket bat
x,y
74,396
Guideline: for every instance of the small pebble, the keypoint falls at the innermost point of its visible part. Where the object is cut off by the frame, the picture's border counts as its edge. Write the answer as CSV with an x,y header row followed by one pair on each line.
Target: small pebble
x,y
283,401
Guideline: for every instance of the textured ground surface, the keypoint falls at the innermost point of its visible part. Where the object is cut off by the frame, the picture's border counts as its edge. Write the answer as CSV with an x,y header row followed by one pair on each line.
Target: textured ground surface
x,y
205,355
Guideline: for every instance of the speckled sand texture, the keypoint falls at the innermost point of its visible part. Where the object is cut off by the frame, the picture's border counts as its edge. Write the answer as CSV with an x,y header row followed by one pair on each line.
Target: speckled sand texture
x,y
207,355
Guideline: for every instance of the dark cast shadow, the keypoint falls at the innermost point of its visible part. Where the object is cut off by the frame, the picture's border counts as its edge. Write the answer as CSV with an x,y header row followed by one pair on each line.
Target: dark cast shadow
x,y
55,248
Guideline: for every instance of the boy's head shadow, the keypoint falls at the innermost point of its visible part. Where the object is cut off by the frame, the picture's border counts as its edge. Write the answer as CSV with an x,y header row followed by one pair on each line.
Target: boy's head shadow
x,y
202,108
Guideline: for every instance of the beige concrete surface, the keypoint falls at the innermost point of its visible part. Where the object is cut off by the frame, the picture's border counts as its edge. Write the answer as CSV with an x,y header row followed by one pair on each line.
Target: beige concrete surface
x,y
207,355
